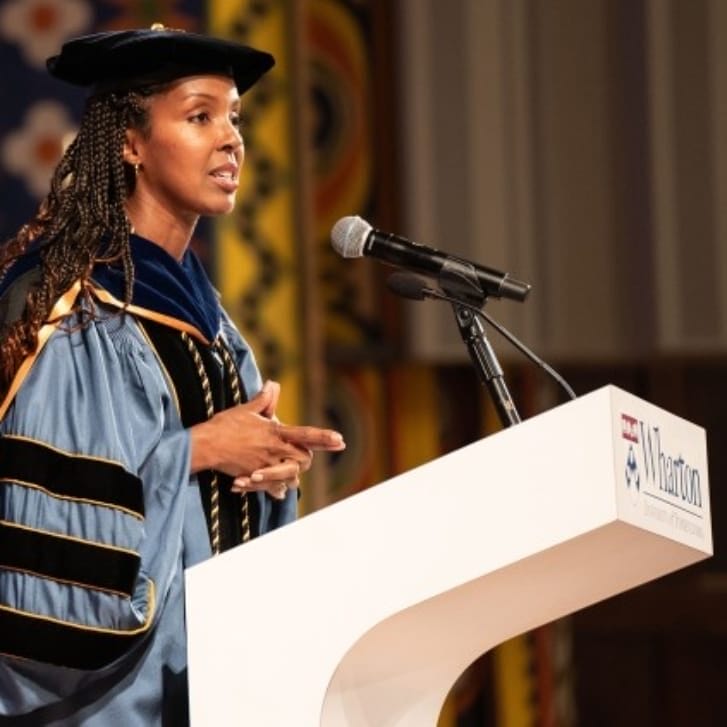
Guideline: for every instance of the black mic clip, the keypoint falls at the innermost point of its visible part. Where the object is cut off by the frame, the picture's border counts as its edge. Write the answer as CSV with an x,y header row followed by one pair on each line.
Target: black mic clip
x,y
458,279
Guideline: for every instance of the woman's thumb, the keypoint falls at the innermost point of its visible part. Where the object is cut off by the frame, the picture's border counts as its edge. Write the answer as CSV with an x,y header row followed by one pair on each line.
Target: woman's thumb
x,y
265,401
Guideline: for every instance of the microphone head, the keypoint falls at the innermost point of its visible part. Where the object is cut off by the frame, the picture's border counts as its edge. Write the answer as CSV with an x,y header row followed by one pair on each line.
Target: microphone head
x,y
348,236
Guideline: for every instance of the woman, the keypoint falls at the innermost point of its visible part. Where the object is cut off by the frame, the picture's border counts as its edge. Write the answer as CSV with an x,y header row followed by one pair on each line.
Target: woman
x,y
136,435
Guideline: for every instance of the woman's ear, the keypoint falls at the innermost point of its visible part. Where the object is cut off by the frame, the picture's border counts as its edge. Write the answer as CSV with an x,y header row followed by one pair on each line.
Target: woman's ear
x,y
130,152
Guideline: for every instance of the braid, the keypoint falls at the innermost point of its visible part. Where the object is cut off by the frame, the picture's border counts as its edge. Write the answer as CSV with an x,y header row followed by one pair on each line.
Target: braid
x,y
80,222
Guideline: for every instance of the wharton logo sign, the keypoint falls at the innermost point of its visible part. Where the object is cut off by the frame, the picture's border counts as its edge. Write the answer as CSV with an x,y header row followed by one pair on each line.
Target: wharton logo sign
x,y
653,469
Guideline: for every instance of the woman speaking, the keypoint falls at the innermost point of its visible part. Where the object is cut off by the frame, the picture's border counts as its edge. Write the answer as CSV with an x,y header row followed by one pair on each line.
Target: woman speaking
x,y
136,435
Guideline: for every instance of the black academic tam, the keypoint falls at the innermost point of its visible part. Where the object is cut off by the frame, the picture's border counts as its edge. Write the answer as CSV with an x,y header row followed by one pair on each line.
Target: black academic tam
x,y
126,59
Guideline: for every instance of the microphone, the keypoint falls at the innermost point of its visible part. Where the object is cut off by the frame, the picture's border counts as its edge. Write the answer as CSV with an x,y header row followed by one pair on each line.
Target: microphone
x,y
354,237
415,288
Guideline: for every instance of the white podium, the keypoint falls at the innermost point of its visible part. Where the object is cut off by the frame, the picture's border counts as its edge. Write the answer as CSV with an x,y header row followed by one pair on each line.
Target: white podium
x,y
366,612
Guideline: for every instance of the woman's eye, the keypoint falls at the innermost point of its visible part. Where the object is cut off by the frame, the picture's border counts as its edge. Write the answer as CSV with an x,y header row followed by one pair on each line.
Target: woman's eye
x,y
200,118
237,120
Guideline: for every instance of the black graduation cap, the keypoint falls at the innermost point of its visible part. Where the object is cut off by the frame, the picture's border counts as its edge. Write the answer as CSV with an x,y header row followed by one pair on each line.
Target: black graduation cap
x,y
126,59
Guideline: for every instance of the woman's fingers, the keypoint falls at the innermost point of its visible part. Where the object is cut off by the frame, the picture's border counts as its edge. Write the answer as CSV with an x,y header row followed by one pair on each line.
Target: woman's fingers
x,y
286,471
276,479
311,437
276,488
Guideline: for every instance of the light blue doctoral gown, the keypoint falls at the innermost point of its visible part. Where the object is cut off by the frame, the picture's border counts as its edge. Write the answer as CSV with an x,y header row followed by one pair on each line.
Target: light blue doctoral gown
x,y
97,403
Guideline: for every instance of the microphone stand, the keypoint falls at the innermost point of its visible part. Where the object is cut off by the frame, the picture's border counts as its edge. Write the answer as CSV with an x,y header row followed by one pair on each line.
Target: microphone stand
x,y
458,279
486,363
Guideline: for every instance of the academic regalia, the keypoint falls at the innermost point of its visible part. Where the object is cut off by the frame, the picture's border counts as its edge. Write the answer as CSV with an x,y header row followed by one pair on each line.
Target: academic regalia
x,y
99,514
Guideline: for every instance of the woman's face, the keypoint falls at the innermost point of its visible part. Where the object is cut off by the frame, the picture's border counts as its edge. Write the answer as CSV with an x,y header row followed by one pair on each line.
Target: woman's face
x,y
190,158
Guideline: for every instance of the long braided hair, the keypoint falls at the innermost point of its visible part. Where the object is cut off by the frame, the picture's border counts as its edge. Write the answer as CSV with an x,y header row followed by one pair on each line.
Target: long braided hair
x,y
81,221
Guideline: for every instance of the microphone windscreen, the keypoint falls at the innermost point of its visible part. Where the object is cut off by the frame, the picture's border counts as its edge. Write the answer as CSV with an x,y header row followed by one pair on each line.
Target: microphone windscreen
x,y
348,236
408,285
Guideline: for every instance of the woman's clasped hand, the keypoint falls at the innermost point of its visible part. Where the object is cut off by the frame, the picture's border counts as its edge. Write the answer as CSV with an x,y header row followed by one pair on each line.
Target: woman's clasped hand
x,y
248,443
